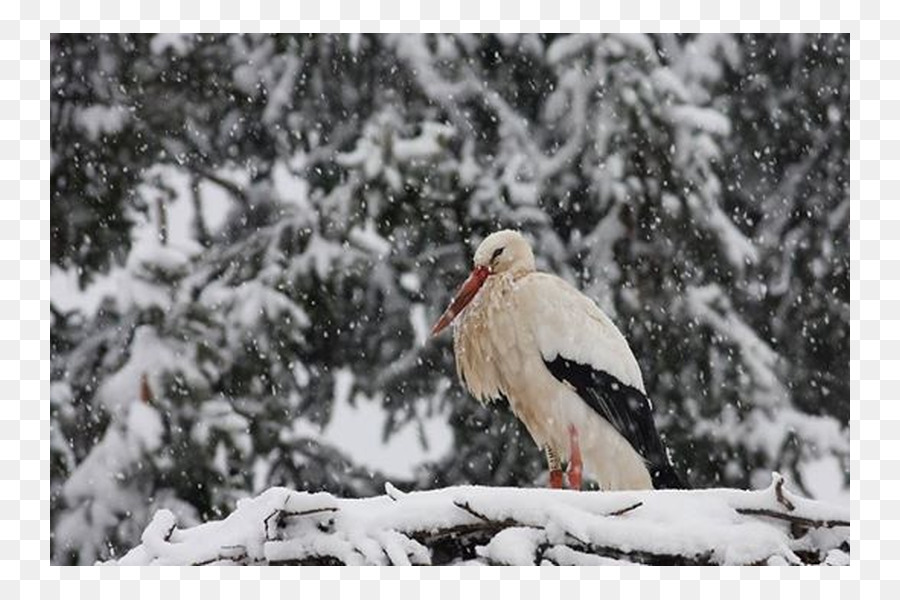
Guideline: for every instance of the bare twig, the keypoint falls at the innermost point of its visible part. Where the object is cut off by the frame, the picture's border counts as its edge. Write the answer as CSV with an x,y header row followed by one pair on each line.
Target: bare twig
x,y
541,555
779,493
466,507
199,222
795,519
276,514
577,539
169,533
305,513
627,509
162,224
310,560
238,556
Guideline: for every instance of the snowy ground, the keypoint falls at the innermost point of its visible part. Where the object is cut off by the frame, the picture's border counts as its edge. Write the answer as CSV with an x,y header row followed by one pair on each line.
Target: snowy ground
x,y
512,526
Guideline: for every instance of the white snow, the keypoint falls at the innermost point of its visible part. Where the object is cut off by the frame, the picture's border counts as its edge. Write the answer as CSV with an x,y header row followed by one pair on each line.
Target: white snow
x,y
704,119
824,478
638,41
290,188
150,355
370,153
418,318
120,282
343,385
411,281
219,414
737,246
321,254
711,306
513,546
772,420
429,143
279,96
566,46
179,43
251,301
368,238
94,489
357,430
246,79
146,426
100,119
562,526
838,558
122,445
667,80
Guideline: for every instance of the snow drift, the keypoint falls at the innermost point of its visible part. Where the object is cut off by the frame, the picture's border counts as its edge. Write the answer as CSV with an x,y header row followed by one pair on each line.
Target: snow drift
x,y
509,526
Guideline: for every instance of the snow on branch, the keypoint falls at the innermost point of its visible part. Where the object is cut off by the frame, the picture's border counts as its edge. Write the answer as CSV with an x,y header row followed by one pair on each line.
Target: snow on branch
x,y
510,526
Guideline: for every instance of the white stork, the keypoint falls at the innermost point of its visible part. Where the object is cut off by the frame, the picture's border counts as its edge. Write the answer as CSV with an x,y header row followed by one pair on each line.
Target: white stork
x,y
567,372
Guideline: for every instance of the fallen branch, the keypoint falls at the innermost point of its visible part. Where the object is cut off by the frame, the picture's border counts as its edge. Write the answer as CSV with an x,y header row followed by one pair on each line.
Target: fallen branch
x,y
511,526
648,558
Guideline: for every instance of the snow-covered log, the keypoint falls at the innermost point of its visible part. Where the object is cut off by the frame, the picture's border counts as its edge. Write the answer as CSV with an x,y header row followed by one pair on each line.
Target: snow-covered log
x,y
510,526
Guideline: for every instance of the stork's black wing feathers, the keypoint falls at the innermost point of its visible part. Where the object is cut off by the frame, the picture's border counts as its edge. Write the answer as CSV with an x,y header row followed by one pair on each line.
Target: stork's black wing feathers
x,y
626,408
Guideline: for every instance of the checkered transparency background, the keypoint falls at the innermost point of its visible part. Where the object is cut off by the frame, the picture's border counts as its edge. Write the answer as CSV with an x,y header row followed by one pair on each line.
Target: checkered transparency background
x,y
25,297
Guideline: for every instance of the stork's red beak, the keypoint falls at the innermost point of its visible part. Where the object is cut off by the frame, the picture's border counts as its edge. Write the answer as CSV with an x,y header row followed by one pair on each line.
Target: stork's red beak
x,y
465,294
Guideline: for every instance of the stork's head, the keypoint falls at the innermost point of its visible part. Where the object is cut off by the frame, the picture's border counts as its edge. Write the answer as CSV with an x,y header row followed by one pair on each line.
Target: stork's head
x,y
504,251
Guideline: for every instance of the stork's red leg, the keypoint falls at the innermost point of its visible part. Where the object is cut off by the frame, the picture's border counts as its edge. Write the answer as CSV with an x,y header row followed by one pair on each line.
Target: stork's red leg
x,y
556,474
556,479
575,465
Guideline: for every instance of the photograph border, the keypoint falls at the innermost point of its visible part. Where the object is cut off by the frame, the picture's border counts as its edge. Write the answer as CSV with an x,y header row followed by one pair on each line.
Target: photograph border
x,y
875,292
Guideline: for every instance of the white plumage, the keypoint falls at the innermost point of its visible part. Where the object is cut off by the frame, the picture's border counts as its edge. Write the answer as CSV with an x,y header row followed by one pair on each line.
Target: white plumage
x,y
572,325
564,367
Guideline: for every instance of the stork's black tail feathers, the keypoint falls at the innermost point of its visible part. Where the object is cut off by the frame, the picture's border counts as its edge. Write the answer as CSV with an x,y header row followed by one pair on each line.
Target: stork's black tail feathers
x,y
627,409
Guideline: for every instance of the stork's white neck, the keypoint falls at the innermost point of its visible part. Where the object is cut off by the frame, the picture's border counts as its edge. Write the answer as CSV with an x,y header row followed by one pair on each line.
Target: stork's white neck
x,y
480,338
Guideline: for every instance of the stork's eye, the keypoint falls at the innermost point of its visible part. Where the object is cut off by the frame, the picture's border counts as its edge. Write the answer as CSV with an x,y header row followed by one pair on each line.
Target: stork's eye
x,y
496,253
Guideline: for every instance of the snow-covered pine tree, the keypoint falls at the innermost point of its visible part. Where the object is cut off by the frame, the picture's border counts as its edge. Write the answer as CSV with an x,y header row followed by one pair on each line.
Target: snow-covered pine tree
x,y
352,176
788,179
96,163
113,490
